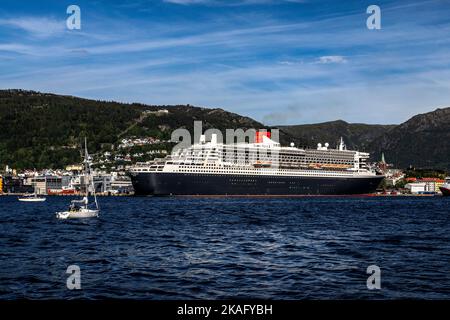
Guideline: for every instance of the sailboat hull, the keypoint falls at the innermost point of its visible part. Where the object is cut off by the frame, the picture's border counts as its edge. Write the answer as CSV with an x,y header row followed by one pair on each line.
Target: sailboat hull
x,y
32,199
79,214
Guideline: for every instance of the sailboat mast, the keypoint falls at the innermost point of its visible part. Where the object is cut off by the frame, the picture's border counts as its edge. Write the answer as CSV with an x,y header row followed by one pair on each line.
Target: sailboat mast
x,y
95,196
88,172
93,187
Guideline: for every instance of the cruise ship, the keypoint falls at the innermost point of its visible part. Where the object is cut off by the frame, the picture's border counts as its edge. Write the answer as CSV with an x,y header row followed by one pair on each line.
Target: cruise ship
x,y
263,167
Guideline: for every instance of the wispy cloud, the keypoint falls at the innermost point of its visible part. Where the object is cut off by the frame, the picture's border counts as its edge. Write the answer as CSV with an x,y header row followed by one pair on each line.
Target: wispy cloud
x,y
230,2
314,63
331,59
37,26
187,2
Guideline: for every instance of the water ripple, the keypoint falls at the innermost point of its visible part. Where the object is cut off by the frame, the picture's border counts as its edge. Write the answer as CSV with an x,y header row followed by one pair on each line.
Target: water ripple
x,y
220,248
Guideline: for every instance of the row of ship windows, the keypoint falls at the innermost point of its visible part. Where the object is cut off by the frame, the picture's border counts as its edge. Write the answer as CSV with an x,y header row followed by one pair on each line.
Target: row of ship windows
x,y
246,170
292,159
242,162
314,173
247,149
211,167
307,159
269,152
328,159
266,154
230,168
330,152
279,172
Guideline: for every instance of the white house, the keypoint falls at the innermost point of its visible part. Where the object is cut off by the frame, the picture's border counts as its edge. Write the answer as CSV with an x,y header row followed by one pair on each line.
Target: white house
x,y
417,187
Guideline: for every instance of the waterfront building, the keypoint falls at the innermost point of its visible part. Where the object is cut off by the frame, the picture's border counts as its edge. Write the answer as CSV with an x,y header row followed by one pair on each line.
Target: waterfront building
x,y
424,185
15,184
42,184
102,183
416,187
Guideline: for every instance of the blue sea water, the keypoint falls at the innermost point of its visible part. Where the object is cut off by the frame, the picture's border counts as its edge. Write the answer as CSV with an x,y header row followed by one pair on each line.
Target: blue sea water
x,y
219,248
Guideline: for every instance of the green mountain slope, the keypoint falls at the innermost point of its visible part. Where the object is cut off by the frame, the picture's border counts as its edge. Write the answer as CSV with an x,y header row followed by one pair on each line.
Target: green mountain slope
x,y
423,141
40,130
356,135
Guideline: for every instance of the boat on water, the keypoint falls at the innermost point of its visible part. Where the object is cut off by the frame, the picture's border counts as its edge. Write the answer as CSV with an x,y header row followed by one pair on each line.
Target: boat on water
x,y
79,209
64,191
445,188
260,168
32,198
82,208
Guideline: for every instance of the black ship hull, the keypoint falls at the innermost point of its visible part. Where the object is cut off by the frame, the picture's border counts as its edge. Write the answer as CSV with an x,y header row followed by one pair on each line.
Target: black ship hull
x,y
445,191
150,183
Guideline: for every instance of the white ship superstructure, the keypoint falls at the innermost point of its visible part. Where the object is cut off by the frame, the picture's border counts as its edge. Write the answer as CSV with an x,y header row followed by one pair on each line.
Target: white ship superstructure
x,y
265,158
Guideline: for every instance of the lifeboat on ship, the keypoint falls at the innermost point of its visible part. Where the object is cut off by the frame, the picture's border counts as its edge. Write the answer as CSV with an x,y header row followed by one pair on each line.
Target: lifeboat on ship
x,y
262,164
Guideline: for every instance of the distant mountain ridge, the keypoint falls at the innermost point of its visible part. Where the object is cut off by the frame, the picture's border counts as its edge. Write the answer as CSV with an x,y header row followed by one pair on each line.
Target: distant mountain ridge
x,y
355,135
423,141
42,130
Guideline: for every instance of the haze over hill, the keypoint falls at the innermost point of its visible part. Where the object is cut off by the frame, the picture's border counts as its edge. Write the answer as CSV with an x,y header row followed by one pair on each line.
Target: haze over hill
x,y
422,141
355,135
41,130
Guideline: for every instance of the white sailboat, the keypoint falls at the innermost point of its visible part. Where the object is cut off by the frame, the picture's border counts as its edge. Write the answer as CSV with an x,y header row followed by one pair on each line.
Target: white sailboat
x,y
82,208
32,198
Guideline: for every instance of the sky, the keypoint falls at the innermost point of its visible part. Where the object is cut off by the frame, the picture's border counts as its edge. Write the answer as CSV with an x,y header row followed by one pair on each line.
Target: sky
x,y
277,61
